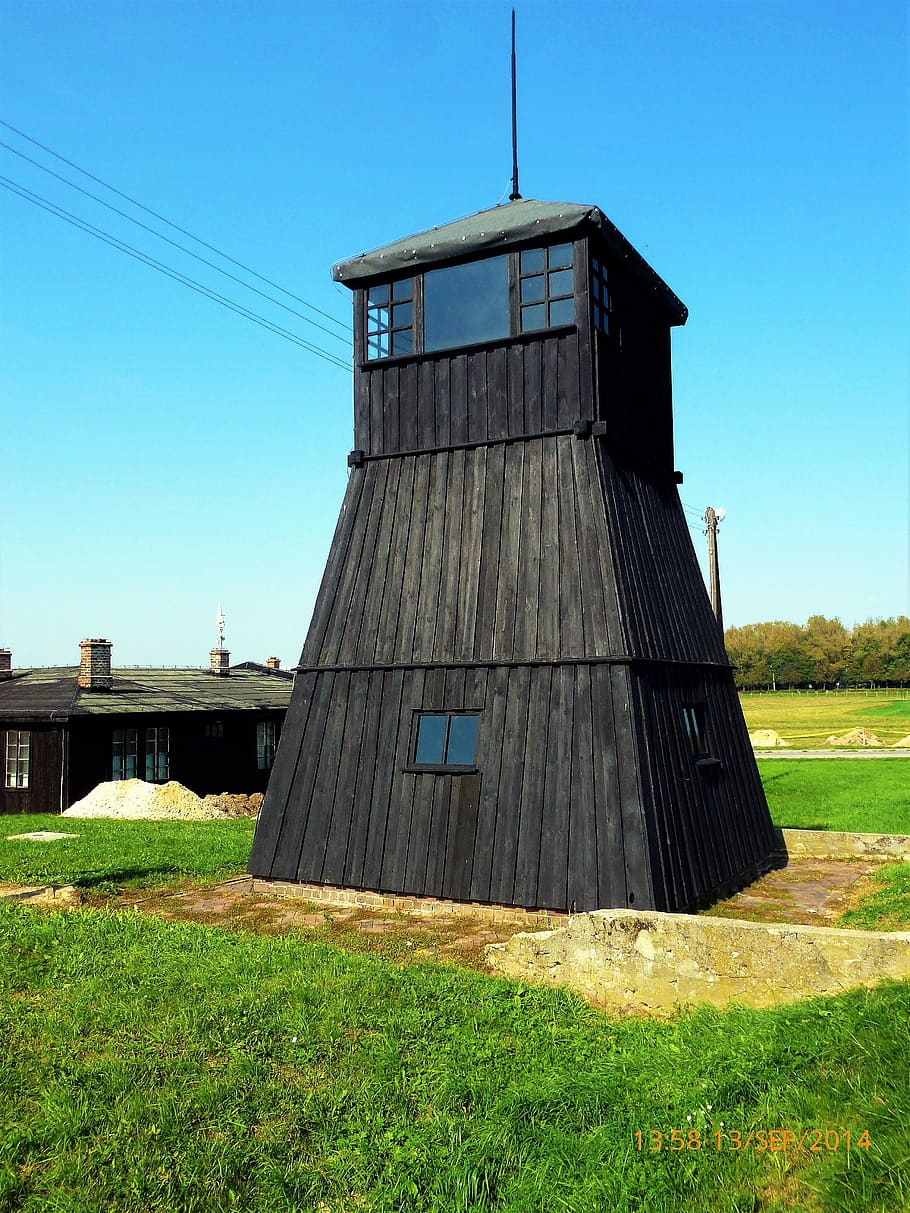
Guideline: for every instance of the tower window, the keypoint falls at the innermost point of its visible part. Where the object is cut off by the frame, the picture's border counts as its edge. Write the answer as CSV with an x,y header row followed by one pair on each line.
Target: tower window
x,y
694,717
601,293
466,304
546,287
446,740
390,319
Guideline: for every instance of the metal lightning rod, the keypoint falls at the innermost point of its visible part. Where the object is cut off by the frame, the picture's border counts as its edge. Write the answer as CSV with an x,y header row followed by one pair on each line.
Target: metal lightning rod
x,y
514,196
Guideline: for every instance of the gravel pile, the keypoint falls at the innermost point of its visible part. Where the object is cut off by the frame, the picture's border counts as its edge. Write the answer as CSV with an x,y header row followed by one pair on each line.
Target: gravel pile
x,y
856,737
136,798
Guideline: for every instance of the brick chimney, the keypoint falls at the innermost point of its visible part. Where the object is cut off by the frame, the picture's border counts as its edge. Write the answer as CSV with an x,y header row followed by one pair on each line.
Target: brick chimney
x,y
95,665
6,664
273,663
220,663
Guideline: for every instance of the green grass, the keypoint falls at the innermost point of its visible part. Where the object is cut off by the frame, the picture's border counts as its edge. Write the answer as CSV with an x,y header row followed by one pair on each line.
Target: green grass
x,y
888,908
165,1067
807,719
861,796
109,854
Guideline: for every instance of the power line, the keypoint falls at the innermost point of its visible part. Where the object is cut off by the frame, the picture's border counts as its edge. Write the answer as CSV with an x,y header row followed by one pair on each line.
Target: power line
x,y
189,252
175,226
168,271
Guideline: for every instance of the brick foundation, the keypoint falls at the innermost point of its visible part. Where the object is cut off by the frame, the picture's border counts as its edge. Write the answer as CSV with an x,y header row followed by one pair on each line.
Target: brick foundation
x,y
432,907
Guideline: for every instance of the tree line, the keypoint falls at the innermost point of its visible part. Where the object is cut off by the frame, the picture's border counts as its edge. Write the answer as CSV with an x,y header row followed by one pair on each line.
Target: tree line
x,y
820,653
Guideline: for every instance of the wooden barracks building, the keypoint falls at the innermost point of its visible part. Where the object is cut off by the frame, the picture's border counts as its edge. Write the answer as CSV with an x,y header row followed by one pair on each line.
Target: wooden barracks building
x,y
64,730
513,689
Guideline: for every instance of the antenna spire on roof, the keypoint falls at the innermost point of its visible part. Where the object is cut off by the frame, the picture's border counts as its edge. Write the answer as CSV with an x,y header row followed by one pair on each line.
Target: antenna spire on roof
x,y
515,195
219,623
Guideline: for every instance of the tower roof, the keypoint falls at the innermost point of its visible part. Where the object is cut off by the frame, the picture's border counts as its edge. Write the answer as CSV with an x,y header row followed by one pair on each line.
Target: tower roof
x,y
496,229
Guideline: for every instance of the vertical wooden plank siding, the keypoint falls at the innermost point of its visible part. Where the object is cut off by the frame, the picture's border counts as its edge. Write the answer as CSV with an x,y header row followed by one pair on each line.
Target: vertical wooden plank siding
x,y
546,581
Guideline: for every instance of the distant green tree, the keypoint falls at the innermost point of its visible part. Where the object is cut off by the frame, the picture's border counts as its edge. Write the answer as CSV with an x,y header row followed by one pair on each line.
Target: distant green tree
x,y
826,645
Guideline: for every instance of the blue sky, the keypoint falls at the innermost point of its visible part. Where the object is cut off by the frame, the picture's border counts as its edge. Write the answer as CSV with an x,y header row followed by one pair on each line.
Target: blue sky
x,y
161,455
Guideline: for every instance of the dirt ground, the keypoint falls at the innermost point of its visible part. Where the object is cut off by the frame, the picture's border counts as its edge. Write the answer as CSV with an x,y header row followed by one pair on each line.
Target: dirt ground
x,y
810,891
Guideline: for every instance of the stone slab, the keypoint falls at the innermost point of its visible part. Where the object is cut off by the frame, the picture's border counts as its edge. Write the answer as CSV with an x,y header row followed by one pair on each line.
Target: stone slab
x,y
654,962
837,844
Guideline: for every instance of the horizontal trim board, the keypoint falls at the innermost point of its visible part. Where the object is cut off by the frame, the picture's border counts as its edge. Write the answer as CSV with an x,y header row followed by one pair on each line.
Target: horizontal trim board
x,y
613,659
506,440
476,347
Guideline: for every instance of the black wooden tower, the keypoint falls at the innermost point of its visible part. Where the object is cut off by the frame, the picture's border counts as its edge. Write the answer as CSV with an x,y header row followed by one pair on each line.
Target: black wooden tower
x,y
513,689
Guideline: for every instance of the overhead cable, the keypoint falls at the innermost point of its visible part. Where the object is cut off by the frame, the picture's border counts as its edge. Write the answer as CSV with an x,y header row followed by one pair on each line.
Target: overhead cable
x,y
182,247
148,210
121,245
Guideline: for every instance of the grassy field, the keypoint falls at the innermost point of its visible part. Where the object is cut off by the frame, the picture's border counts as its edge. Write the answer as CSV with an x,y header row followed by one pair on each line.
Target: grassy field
x,y
109,854
212,1071
866,797
808,718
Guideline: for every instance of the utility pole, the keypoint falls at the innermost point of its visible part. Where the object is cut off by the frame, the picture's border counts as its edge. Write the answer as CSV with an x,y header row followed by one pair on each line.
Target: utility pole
x,y
712,518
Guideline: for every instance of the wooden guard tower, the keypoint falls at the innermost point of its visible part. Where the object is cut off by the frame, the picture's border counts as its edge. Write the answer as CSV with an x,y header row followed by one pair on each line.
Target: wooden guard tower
x,y
513,689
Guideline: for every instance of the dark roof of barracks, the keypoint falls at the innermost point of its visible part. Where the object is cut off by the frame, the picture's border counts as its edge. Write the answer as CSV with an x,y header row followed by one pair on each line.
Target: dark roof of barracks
x,y
498,228
52,692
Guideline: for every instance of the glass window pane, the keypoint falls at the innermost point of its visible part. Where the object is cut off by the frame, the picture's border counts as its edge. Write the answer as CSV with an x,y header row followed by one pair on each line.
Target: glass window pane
x,y
402,315
532,289
378,294
431,738
466,304
462,741
533,261
402,341
560,255
561,283
606,297
403,289
377,318
378,346
534,317
562,311
596,285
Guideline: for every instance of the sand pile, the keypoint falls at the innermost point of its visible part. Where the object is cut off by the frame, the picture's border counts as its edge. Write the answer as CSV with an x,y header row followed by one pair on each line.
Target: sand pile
x,y
230,804
903,744
856,737
136,798
764,739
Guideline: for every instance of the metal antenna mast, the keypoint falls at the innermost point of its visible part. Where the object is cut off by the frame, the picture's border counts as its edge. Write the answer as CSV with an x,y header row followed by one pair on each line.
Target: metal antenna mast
x,y
514,196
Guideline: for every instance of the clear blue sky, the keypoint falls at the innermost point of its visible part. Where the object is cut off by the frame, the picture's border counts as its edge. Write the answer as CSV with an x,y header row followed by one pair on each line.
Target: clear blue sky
x,y
159,454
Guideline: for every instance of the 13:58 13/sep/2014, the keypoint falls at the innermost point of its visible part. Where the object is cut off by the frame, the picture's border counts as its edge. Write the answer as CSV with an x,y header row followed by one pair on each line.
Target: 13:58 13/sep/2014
x,y
816,1141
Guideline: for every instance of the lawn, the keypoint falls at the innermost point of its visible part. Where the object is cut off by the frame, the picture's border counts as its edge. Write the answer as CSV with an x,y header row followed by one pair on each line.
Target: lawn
x,y
870,796
808,718
109,854
163,1066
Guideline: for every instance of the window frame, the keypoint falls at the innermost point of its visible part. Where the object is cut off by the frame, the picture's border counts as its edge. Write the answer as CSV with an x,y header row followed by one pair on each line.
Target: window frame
x,y
442,768
576,267
17,759
127,740
266,749
157,753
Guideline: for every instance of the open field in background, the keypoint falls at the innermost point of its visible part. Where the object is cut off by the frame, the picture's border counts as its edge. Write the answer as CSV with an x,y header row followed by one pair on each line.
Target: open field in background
x,y
207,1070
838,794
806,719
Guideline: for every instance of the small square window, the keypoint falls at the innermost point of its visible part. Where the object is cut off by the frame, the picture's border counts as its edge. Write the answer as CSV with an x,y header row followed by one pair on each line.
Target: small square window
x,y
446,739
547,287
390,318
